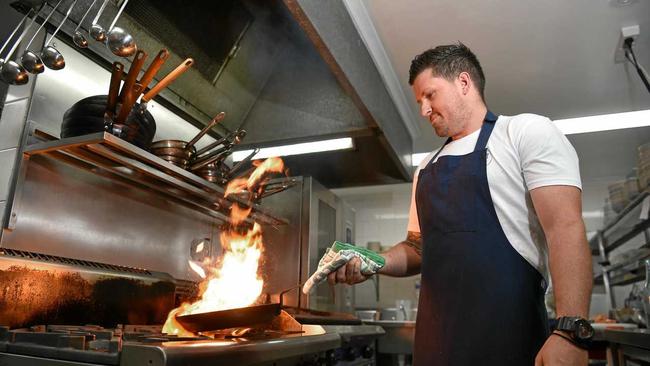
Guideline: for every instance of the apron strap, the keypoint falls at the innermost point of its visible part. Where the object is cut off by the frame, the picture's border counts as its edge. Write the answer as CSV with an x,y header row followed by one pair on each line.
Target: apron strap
x,y
486,131
440,149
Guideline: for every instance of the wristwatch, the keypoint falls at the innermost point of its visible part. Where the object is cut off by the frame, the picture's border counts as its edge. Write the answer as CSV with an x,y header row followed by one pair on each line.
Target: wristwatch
x,y
579,329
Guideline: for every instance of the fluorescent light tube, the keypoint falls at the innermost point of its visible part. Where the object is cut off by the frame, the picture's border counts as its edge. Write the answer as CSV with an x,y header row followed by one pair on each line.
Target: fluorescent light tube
x,y
604,122
297,149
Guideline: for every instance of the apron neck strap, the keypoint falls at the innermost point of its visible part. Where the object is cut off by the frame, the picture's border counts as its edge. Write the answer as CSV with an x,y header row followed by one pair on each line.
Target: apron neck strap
x,y
486,131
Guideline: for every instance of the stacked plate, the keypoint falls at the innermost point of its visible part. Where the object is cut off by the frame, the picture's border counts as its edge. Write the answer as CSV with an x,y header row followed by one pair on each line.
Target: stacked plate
x,y
644,166
617,195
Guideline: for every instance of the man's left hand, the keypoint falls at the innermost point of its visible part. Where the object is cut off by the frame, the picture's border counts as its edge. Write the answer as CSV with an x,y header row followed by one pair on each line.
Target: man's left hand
x,y
560,352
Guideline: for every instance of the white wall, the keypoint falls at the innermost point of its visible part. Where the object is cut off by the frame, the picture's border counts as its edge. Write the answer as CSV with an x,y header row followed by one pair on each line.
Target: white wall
x,y
381,215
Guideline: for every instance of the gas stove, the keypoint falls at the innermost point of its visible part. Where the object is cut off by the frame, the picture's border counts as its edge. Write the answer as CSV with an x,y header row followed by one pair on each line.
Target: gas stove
x,y
132,345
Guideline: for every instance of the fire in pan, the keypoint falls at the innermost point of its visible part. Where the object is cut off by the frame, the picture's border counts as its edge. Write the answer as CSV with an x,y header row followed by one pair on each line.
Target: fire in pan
x,y
232,318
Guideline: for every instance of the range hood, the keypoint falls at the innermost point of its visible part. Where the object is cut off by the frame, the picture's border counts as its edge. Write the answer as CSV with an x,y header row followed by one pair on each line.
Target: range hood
x,y
285,71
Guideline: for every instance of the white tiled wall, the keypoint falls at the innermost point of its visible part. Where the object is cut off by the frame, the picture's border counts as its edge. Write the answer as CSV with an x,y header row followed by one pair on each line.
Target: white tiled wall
x,y
381,215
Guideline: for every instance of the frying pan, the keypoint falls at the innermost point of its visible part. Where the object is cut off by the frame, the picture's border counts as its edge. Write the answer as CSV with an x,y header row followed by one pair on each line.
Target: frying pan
x,y
231,318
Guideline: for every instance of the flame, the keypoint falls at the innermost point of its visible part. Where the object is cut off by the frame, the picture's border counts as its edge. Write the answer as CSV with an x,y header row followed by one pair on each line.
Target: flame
x,y
238,214
232,281
271,165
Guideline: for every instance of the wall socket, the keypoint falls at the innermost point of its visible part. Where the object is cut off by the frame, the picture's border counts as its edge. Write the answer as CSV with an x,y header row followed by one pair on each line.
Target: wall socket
x,y
632,31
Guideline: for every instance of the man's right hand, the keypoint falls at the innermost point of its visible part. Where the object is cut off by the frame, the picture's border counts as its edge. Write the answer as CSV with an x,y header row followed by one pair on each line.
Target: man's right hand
x,y
350,273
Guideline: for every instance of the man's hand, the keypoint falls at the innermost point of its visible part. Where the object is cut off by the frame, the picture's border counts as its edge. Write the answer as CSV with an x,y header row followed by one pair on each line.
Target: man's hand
x,y
350,273
558,351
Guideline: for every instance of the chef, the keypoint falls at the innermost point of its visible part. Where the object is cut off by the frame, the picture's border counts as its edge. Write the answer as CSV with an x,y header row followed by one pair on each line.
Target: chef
x,y
493,211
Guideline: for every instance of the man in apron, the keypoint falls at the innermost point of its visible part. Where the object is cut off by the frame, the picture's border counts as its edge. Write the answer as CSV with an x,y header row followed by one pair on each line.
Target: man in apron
x,y
493,210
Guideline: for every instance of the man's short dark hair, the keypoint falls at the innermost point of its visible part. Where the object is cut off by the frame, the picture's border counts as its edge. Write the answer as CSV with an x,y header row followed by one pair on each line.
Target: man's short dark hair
x,y
448,61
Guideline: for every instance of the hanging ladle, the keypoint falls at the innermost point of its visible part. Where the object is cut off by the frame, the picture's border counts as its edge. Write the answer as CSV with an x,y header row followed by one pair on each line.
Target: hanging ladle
x,y
10,71
52,58
20,24
119,41
96,31
31,61
78,37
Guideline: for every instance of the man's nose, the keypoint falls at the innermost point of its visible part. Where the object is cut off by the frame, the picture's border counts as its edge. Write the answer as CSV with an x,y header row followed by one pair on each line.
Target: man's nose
x,y
425,110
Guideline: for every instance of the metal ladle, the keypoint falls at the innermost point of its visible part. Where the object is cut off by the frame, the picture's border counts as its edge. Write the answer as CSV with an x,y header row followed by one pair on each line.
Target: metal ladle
x,y
96,31
20,24
78,38
52,58
119,41
31,61
10,71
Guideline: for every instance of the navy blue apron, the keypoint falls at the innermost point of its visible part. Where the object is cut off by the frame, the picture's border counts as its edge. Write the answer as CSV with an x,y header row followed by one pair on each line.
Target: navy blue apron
x,y
481,302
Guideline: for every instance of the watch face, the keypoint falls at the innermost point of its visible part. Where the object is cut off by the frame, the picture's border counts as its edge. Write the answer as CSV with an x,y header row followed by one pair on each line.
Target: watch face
x,y
584,329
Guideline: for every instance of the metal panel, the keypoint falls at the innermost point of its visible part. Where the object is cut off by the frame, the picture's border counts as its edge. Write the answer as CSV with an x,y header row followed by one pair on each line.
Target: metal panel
x,y
3,207
12,123
330,27
281,259
65,210
7,162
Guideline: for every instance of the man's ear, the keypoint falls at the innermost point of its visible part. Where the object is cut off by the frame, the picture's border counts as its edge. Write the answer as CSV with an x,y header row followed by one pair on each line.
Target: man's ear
x,y
465,82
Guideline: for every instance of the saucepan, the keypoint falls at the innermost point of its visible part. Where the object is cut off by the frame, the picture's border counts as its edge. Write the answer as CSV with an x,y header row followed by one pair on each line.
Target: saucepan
x,y
180,152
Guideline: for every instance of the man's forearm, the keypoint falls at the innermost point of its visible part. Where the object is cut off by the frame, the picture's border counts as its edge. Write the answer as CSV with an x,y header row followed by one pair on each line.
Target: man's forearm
x,y
571,271
404,259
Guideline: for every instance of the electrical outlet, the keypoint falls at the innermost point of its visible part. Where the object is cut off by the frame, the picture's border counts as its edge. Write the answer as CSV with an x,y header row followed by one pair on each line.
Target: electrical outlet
x,y
626,32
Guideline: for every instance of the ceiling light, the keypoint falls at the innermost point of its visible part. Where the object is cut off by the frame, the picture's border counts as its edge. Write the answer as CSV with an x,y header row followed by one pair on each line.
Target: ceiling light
x,y
604,122
297,149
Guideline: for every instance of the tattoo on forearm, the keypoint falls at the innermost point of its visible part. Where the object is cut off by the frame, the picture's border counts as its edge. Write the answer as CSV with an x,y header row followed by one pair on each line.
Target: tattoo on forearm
x,y
414,240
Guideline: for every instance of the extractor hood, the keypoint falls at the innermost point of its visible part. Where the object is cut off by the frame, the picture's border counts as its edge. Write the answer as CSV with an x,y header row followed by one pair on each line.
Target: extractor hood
x,y
285,71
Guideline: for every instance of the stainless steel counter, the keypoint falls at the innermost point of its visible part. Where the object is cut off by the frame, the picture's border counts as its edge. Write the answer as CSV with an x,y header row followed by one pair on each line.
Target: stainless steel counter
x,y
628,345
635,337
400,335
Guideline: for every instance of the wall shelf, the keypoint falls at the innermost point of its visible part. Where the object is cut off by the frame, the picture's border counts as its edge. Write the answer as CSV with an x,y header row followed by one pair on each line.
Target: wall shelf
x,y
105,153
630,222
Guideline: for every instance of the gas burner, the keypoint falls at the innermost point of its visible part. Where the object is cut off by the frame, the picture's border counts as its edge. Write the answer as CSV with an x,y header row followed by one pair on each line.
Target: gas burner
x,y
249,333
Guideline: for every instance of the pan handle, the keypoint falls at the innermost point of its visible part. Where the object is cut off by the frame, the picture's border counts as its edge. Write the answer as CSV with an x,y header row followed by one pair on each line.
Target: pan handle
x,y
152,70
288,290
244,161
219,117
116,79
132,75
210,158
178,71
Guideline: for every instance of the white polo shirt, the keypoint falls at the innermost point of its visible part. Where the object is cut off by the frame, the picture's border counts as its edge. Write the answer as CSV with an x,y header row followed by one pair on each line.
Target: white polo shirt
x,y
525,152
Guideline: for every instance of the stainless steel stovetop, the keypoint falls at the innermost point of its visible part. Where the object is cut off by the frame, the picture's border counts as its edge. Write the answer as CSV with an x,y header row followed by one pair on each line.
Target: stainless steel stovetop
x,y
57,345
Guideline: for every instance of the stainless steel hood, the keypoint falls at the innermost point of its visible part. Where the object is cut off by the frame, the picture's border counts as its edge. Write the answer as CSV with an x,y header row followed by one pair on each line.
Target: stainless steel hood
x,y
286,71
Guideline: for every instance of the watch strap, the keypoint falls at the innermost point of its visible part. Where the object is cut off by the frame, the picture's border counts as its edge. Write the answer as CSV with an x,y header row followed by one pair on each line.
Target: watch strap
x,y
573,341
567,323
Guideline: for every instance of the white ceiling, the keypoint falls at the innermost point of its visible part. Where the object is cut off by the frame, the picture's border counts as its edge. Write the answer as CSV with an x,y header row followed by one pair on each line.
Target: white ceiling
x,y
552,57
